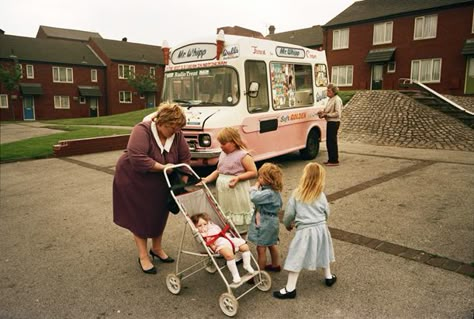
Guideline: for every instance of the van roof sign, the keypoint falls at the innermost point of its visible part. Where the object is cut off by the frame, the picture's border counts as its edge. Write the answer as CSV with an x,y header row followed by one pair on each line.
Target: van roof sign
x,y
287,52
194,52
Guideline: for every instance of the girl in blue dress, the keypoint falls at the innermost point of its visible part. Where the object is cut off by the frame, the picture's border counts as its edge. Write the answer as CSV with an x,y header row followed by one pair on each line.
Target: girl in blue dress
x,y
311,248
264,225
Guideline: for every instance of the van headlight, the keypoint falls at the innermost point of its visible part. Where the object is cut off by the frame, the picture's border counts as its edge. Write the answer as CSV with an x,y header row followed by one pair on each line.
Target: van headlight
x,y
204,140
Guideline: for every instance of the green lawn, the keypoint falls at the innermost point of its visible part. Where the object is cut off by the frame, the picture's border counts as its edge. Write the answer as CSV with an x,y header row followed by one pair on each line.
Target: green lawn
x,y
42,146
124,119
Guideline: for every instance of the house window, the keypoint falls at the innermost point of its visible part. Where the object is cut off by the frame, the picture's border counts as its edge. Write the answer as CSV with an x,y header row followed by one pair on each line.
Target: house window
x,y
342,75
125,96
383,33
340,39
152,72
391,67
426,71
61,102
20,68
425,27
124,71
30,71
93,75
3,101
82,100
62,74
472,28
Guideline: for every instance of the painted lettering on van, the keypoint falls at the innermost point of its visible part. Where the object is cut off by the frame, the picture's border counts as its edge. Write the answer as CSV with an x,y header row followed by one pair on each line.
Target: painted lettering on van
x,y
256,50
232,52
194,52
290,52
310,54
292,117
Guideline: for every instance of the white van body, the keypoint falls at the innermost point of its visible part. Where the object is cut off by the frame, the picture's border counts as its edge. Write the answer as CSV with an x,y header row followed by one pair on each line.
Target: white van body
x,y
270,91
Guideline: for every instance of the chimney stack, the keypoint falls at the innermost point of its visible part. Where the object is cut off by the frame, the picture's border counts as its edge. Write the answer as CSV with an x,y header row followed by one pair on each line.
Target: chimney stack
x,y
271,29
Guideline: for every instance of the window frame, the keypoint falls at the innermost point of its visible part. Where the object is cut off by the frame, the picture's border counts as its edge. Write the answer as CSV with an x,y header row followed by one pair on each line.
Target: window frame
x,y
384,31
57,74
30,71
122,74
423,35
338,37
420,70
122,97
94,75
391,67
59,100
3,97
152,72
335,70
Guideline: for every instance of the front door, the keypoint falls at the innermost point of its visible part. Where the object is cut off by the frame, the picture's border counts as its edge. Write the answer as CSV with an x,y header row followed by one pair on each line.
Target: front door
x,y
150,100
377,76
28,108
470,76
93,106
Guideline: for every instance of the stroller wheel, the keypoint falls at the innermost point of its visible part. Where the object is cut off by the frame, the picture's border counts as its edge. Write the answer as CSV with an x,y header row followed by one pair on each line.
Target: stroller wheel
x,y
229,304
173,283
265,283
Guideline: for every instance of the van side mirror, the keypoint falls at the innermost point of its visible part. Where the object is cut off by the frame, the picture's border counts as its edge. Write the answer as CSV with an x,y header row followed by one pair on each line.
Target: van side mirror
x,y
253,89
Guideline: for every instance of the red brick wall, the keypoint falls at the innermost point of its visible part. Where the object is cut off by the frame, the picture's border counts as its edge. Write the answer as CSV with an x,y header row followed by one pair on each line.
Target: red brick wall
x,y
90,145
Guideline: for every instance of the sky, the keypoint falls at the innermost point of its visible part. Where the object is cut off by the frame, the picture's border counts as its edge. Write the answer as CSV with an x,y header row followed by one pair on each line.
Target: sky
x,y
153,21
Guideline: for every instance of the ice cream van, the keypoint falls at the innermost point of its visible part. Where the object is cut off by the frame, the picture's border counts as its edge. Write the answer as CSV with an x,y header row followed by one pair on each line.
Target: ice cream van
x,y
270,91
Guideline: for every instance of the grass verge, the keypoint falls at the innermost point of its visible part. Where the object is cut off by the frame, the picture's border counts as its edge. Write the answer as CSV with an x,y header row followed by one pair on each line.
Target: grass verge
x,y
42,146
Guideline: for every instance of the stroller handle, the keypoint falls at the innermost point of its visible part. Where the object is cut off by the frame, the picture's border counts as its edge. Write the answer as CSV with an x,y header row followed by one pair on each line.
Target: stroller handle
x,y
193,179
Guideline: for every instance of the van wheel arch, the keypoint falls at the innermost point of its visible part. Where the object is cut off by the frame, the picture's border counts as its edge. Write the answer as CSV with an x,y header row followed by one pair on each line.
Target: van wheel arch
x,y
312,145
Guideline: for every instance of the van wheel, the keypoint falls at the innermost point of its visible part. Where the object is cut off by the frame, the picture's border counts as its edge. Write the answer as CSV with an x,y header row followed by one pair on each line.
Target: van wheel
x,y
312,146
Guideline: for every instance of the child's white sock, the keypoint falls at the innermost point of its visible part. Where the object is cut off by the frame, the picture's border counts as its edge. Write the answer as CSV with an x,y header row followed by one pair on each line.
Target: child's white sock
x,y
292,279
246,258
327,273
233,270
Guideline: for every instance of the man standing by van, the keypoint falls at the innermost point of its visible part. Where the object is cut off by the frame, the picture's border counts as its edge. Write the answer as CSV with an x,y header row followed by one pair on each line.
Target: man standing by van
x,y
332,113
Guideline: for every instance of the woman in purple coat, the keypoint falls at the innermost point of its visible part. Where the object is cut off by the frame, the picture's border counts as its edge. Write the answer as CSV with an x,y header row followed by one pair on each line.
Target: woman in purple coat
x,y
140,191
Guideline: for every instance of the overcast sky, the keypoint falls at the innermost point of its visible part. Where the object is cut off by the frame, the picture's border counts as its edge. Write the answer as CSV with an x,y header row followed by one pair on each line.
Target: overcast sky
x,y
152,21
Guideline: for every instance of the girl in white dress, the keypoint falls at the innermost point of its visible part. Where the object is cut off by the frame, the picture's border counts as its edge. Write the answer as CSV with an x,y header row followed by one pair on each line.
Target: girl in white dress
x,y
311,248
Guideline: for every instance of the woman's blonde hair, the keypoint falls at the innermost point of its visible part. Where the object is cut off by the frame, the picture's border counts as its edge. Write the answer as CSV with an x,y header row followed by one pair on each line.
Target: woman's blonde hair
x,y
230,134
171,114
272,175
311,183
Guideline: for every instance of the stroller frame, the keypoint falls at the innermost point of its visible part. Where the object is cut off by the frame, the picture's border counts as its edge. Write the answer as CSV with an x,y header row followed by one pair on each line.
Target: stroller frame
x,y
228,302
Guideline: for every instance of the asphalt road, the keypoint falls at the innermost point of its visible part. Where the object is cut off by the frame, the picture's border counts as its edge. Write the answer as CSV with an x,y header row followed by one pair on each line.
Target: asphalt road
x,y
63,257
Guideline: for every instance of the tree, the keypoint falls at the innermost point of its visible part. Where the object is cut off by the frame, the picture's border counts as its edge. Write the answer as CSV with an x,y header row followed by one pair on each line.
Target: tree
x,y
10,78
142,83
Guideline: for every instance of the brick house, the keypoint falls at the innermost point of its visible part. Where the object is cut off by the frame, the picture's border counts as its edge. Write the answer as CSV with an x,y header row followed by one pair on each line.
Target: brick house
x,y
122,58
60,79
374,43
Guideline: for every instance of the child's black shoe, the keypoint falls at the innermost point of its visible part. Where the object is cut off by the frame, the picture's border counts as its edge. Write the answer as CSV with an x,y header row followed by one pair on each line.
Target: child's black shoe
x,y
331,281
286,295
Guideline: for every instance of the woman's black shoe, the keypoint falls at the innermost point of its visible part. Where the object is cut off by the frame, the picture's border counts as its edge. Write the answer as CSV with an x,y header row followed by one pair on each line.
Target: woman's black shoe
x,y
331,281
286,295
150,271
163,260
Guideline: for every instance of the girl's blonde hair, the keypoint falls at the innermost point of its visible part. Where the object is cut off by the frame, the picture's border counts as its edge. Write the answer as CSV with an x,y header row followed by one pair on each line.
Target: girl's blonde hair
x,y
171,114
311,183
272,175
230,134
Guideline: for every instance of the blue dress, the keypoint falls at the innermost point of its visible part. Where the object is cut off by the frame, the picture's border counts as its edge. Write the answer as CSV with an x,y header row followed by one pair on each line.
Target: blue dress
x,y
311,248
268,202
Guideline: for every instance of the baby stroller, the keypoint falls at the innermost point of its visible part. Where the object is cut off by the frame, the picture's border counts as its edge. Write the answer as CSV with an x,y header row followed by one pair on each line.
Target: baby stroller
x,y
201,200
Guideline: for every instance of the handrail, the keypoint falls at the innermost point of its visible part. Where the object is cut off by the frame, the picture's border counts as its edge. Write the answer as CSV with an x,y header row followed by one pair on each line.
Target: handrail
x,y
433,92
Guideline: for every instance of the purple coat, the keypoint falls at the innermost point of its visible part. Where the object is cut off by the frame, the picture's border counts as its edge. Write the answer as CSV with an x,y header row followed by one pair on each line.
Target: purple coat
x,y
140,196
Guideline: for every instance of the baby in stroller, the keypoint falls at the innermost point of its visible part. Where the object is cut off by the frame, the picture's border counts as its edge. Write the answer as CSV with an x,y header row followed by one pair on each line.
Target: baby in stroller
x,y
222,242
